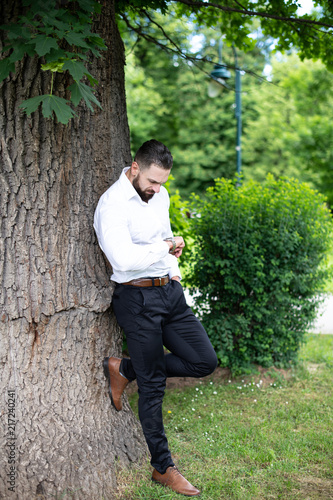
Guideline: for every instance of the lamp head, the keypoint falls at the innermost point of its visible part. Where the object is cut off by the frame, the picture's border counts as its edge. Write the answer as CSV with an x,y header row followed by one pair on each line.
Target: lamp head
x,y
220,72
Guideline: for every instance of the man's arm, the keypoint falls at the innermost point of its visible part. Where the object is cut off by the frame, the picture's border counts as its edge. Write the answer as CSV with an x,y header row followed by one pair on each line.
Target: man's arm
x,y
115,240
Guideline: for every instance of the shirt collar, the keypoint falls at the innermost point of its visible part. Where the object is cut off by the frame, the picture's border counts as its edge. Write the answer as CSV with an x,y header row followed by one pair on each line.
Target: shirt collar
x,y
128,188
126,185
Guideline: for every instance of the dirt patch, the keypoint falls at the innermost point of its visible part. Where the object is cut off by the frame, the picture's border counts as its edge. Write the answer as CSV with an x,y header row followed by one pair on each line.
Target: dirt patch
x,y
313,368
267,376
314,488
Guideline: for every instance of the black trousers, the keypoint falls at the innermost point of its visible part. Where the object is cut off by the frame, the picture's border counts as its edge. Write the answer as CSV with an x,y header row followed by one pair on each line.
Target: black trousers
x,y
154,317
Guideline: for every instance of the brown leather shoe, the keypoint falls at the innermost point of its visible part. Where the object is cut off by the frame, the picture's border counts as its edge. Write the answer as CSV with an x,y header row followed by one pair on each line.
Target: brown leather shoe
x,y
174,480
117,382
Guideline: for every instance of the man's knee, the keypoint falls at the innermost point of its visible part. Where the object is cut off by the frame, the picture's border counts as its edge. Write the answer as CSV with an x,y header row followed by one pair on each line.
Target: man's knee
x,y
208,364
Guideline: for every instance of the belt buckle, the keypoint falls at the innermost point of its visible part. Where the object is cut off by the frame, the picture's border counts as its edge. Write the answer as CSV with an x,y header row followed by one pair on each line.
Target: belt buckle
x,y
160,280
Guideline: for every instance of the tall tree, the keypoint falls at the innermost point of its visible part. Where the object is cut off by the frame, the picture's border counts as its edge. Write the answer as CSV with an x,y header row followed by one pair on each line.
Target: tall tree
x,y
59,432
56,323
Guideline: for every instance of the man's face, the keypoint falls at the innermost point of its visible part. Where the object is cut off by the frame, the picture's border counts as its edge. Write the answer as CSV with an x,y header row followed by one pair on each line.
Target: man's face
x,y
149,181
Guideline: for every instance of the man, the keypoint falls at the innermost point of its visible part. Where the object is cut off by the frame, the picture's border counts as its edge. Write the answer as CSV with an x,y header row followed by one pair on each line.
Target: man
x,y
133,229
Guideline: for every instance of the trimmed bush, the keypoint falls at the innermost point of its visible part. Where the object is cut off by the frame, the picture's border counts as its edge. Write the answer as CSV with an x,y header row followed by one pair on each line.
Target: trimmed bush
x,y
258,268
181,225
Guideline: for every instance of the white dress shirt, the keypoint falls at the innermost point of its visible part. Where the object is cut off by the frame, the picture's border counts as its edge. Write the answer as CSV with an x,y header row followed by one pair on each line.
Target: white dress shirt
x,y
131,232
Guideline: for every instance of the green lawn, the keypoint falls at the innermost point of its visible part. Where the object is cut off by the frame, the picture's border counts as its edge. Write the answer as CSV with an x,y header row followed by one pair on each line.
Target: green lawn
x,y
265,436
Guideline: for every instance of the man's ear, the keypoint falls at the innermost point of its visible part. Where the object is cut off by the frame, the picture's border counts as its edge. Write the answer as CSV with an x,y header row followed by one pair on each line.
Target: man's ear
x,y
135,169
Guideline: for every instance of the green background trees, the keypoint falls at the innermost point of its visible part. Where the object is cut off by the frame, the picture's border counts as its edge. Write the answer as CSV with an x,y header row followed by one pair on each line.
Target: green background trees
x,y
287,127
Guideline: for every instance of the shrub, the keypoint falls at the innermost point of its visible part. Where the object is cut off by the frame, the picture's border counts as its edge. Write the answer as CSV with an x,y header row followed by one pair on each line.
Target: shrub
x,y
181,225
258,268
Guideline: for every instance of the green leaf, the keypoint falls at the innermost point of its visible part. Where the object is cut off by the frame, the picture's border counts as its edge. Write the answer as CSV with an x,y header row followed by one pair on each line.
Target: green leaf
x,y
50,103
81,91
97,8
30,105
60,106
97,40
56,55
87,5
76,39
20,49
76,69
6,67
54,66
16,31
91,79
44,44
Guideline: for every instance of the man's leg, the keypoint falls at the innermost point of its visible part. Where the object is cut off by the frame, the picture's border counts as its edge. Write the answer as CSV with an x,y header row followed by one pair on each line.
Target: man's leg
x,y
142,313
139,312
191,352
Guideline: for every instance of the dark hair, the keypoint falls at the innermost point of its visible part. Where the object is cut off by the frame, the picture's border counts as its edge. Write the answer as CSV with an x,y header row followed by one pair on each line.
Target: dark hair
x,y
153,152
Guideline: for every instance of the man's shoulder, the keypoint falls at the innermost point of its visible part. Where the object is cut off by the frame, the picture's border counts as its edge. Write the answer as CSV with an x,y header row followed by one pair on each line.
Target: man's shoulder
x,y
114,194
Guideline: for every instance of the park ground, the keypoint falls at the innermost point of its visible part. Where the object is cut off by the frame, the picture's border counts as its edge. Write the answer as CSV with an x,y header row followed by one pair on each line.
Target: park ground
x,y
267,435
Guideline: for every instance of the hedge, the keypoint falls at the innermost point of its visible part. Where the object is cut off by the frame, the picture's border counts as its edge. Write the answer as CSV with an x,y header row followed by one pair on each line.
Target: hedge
x,y
258,268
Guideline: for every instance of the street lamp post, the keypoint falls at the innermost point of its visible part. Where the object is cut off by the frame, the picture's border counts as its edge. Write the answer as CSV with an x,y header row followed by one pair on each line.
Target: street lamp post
x,y
219,75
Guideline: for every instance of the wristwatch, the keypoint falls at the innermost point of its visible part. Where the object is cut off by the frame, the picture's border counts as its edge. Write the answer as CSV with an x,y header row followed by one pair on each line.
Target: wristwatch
x,y
173,241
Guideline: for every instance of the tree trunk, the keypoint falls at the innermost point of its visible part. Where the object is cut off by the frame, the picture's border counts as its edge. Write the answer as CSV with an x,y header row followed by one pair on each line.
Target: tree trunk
x,y
59,432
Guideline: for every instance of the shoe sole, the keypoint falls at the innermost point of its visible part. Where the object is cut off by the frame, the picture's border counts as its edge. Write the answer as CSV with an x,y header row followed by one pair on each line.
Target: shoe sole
x,y
107,376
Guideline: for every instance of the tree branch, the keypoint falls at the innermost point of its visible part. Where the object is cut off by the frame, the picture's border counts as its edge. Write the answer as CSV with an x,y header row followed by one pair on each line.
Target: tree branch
x,y
224,8
178,51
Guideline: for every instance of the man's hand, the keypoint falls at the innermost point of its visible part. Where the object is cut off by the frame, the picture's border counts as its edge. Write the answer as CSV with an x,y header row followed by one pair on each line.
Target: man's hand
x,y
179,246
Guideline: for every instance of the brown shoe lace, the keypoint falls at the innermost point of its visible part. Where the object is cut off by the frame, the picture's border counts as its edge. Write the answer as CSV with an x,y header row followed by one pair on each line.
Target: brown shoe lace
x,y
175,471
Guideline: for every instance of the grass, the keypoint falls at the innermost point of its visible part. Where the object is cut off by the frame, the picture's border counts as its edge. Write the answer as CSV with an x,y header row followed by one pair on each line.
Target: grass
x,y
266,436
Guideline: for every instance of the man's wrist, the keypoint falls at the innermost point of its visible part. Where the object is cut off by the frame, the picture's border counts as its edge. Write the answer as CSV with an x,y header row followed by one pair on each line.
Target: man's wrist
x,y
173,241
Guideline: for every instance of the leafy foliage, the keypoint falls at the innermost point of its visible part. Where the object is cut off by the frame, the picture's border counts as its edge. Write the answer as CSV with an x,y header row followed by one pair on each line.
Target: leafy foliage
x,y
60,32
290,131
259,268
181,225
62,38
310,35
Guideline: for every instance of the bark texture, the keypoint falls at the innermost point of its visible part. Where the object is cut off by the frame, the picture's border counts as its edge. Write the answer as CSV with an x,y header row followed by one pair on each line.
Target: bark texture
x,y
56,324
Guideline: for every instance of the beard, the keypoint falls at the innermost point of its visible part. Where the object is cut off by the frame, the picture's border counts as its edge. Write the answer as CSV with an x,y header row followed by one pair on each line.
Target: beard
x,y
144,195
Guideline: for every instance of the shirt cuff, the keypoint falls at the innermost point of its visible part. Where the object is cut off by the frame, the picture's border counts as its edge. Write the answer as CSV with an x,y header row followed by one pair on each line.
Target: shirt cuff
x,y
174,268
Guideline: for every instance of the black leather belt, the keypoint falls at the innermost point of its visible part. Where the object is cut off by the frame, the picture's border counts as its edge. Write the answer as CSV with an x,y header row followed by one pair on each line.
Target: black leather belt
x,y
148,281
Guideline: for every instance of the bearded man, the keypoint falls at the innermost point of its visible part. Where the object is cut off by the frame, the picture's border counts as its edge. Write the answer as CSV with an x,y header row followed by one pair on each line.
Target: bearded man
x,y
133,229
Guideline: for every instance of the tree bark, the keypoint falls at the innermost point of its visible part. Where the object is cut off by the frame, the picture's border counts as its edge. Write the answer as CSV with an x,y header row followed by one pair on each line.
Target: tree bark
x,y
56,324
